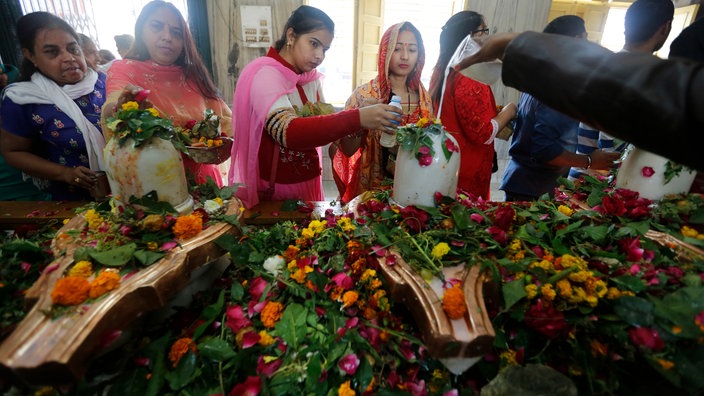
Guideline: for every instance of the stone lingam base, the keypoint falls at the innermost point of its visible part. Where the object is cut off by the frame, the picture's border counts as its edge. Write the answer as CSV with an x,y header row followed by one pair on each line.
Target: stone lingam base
x,y
52,351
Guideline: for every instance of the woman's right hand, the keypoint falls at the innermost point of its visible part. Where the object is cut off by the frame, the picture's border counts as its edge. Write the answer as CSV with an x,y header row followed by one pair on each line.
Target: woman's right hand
x,y
379,116
80,176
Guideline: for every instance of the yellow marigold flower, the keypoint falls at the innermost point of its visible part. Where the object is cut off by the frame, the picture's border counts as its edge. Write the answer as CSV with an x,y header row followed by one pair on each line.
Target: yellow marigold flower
x,y
317,226
548,292
578,295
591,300
453,302
292,265
515,245
565,210
689,232
271,313
106,281
218,200
93,219
346,390
598,349
508,357
601,288
579,276
83,268
676,329
440,250
666,364
368,274
131,105
70,290
519,256
569,261
151,245
180,348
188,226
422,122
153,111
265,339
531,291
613,293
543,264
564,288
307,233
345,223
152,222
350,297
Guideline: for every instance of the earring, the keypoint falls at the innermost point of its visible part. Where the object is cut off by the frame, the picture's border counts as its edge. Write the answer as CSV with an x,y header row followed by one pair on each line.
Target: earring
x,y
288,44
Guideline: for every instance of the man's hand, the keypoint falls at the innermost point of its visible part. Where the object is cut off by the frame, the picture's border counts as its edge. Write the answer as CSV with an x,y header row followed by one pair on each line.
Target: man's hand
x,y
492,48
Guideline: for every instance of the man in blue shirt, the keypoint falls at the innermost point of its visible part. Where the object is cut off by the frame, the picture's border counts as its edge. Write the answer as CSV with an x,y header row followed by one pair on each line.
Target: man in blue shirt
x,y
544,144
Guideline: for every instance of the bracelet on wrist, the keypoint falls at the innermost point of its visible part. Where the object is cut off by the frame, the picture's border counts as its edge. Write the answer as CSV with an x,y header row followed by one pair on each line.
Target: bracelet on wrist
x,y
589,161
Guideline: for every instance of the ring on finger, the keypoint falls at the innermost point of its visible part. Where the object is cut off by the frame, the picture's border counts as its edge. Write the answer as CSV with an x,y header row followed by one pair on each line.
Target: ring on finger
x,y
77,180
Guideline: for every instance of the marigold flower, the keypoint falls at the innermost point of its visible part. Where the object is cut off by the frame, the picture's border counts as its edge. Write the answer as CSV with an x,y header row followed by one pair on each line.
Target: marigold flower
x,y
265,339
291,253
93,219
374,284
271,313
565,210
666,364
70,290
152,222
307,233
440,250
83,268
598,349
153,111
180,348
349,298
579,276
188,226
531,291
346,389
368,274
548,292
106,281
317,226
453,302
613,293
564,287
354,245
508,357
151,245
345,223
131,105
689,232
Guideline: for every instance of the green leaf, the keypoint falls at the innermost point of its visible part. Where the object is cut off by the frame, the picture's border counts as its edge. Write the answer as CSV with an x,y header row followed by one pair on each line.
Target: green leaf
x,y
513,292
635,311
216,349
148,257
631,283
115,257
595,233
185,373
210,314
291,326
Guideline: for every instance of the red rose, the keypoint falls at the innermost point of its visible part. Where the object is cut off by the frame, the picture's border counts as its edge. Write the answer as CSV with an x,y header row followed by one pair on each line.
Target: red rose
x,y
504,217
646,337
451,146
613,206
546,320
415,218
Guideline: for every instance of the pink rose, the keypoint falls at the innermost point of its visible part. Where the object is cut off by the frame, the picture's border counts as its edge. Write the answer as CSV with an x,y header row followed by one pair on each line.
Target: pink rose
x,y
646,337
647,171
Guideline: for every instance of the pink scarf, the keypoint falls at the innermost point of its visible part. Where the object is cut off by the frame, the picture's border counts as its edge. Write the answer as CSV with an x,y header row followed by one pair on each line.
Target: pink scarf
x,y
260,84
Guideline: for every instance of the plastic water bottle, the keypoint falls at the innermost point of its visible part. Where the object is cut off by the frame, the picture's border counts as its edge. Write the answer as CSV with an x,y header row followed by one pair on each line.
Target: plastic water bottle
x,y
388,139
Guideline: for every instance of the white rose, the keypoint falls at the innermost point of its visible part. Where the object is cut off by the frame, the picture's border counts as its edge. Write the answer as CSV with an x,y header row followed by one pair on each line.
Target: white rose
x,y
211,206
274,265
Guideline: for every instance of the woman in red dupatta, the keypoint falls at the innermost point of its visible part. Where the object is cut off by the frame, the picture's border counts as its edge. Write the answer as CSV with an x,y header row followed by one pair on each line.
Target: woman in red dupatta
x,y
360,163
164,60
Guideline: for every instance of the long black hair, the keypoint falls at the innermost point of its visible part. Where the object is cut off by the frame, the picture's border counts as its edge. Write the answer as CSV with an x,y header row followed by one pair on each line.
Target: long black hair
x,y
455,30
27,28
305,19
189,60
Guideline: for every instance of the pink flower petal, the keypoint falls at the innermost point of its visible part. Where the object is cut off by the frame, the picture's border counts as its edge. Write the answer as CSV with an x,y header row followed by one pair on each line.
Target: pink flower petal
x,y
647,171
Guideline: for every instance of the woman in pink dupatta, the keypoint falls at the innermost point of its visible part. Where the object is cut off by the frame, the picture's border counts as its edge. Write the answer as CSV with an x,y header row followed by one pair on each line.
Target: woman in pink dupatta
x,y
360,163
164,60
276,155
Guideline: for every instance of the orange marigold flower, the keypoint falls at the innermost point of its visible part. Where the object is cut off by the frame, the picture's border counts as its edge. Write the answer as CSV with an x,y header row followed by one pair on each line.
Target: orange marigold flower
x,y
359,265
384,336
188,226
369,313
666,364
453,303
265,339
271,313
291,253
599,349
350,297
70,290
180,348
106,281
354,245
83,268
346,390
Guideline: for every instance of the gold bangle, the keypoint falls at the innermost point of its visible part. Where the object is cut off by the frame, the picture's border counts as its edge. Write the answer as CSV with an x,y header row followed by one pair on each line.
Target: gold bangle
x,y
589,161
